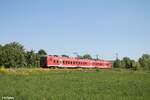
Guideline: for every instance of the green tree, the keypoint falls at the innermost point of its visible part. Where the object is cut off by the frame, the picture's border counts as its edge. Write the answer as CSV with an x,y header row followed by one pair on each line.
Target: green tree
x,y
86,56
42,52
64,55
127,62
13,55
37,60
135,65
117,63
79,56
30,58
144,61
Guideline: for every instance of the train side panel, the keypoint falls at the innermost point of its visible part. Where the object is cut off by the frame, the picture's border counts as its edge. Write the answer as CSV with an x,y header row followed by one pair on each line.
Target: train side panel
x,y
51,61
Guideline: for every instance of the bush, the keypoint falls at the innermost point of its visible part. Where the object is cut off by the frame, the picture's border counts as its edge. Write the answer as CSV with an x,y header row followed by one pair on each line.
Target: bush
x,y
13,55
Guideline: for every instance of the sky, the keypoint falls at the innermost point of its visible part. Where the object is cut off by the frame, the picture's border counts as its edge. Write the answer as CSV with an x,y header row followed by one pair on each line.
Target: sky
x,y
103,27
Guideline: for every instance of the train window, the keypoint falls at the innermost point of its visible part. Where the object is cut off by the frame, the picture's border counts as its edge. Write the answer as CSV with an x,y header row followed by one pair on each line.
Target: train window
x,y
67,62
54,61
71,62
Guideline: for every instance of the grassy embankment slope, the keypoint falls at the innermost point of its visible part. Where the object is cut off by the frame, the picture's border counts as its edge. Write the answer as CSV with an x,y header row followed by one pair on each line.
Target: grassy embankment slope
x,y
74,84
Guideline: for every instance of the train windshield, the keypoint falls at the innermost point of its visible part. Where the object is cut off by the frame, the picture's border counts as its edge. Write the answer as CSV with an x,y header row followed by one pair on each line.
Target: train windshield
x,y
43,61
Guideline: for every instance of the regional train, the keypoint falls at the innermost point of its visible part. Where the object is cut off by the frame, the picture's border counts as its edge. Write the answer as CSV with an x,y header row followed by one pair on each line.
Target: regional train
x,y
73,62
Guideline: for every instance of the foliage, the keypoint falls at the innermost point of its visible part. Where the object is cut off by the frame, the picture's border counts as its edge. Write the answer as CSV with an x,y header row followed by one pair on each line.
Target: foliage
x,y
117,63
12,55
42,52
64,55
87,56
135,65
31,58
127,63
145,61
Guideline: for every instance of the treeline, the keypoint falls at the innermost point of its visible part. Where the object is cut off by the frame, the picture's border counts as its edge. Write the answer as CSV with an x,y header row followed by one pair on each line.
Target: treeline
x,y
14,55
127,63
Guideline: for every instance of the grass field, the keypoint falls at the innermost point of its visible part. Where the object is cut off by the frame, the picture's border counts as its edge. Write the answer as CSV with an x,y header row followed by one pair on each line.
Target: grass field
x,y
74,84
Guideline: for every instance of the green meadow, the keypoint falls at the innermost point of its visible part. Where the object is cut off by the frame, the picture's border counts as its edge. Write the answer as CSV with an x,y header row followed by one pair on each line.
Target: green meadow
x,y
74,84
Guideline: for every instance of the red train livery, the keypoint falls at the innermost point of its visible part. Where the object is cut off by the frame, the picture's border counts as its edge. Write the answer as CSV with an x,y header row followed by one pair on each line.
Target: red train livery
x,y
59,61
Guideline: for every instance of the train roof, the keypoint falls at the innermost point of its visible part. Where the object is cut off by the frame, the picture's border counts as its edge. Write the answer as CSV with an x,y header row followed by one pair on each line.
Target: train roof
x,y
56,56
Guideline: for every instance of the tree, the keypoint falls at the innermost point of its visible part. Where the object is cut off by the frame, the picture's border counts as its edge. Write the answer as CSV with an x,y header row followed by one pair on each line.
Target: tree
x,y
135,65
144,61
30,58
127,62
64,55
42,52
79,56
86,56
13,55
117,63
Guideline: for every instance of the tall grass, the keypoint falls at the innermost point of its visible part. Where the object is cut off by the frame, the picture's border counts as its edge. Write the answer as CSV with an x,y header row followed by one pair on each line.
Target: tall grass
x,y
74,84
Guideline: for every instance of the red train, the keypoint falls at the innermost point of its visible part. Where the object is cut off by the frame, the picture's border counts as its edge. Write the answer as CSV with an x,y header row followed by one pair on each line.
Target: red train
x,y
59,61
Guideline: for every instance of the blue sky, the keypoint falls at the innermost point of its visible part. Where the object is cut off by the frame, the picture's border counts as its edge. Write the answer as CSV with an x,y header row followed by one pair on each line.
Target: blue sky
x,y
103,27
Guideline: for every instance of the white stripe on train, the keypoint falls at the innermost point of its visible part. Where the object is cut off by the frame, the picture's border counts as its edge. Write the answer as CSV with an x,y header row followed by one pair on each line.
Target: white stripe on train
x,y
78,66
